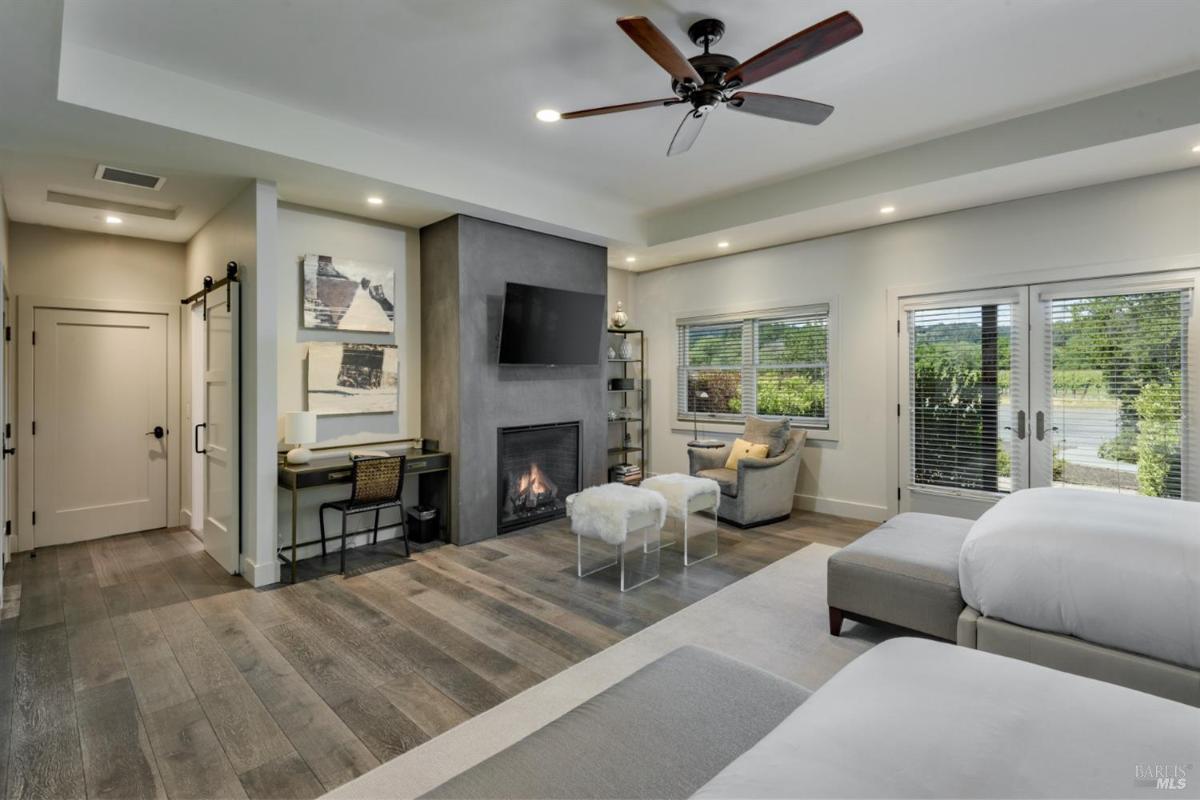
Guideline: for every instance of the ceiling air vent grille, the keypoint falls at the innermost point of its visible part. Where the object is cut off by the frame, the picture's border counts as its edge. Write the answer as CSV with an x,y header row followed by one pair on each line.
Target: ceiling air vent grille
x,y
128,177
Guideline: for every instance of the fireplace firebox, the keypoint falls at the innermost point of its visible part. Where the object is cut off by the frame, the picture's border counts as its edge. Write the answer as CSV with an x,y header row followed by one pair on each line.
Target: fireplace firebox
x,y
537,466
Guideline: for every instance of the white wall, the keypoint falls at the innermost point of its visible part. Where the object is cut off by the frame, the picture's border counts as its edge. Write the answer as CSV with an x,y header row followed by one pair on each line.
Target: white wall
x,y
57,262
305,230
245,232
1096,230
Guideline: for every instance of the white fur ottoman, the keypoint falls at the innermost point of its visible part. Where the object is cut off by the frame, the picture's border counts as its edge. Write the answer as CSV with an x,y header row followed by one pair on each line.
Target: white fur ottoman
x,y
623,517
690,502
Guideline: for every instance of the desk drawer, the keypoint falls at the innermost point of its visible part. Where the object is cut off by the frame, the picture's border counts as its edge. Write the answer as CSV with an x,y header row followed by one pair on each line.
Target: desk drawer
x,y
427,463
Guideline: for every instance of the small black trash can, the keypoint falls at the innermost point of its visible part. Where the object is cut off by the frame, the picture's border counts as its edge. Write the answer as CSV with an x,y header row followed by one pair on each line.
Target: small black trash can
x,y
423,524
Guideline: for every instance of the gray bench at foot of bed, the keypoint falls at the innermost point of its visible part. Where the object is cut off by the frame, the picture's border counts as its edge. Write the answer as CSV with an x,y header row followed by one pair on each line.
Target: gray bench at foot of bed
x,y
904,572
663,732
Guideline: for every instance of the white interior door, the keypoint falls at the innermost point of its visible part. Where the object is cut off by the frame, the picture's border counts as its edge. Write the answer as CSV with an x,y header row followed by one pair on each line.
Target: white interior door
x,y
963,400
220,443
198,343
100,393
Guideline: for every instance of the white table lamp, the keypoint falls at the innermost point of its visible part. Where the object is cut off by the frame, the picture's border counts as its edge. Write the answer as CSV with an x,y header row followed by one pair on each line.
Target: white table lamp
x,y
300,428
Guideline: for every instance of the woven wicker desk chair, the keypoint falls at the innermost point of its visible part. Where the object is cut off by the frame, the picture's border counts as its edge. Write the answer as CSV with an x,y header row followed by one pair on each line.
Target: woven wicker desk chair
x,y
375,484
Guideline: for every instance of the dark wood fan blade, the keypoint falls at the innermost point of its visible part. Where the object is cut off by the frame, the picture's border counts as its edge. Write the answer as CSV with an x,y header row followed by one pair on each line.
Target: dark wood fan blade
x,y
656,45
591,112
777,106
686,133
808,43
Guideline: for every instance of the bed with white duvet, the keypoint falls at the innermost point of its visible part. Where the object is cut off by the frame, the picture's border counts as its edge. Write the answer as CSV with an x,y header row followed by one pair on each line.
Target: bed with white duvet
x,y
1121,571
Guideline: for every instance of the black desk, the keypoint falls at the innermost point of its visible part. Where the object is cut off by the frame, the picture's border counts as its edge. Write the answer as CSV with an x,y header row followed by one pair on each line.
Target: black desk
x,y
432,469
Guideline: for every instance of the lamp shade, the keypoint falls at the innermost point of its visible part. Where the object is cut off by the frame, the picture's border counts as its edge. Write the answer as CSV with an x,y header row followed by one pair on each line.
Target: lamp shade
x,y
300,427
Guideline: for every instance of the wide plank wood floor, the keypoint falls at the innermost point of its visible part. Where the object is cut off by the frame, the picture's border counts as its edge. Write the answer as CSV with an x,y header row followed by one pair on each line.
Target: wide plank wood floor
x,y
133,667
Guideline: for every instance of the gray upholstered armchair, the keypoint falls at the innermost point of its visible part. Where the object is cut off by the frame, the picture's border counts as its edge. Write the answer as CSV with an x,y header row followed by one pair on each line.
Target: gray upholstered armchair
x,y
761,490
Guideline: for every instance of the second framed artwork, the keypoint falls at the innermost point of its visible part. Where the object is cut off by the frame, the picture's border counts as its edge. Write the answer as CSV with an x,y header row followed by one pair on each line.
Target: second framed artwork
x,y
346,378
345,295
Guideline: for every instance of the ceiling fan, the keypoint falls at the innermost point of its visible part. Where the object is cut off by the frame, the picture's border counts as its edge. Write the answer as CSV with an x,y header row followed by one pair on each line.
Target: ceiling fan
x,y
709,80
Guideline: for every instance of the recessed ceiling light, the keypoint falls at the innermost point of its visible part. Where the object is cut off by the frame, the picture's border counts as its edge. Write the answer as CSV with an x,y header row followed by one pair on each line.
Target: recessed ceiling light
x,y
1196,149
887,209
549,115
722,245
375,201
113,220
630,259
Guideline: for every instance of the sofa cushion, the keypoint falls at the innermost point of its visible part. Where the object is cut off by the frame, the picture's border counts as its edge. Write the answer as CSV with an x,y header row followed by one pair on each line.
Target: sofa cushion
x,y
904,572
664,731
771,432
726,477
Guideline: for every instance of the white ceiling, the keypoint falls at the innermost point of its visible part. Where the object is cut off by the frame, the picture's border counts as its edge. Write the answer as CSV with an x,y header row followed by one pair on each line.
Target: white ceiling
x,y
28,177
467,76
430,104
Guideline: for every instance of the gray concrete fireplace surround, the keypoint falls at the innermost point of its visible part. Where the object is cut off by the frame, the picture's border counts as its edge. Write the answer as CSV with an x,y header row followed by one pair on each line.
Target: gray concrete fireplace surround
x,y
465,395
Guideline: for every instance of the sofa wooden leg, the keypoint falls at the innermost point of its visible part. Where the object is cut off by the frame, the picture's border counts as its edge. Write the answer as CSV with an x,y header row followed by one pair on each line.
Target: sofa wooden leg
x,y
835,621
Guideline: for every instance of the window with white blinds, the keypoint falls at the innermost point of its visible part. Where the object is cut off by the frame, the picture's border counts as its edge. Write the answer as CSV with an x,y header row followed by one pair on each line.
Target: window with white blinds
x,y
1116,375
961,385
775,365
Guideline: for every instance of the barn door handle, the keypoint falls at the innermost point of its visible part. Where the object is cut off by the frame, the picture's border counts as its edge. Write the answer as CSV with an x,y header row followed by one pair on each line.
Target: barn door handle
x,y
196,438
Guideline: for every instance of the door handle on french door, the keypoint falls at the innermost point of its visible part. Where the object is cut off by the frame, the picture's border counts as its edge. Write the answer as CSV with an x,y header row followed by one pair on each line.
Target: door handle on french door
x,y
1020,425
196,438
1041,426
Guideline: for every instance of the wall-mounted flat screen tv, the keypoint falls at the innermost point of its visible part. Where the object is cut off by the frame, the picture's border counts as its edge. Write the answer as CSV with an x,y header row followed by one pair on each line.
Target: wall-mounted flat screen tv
x,y
550,327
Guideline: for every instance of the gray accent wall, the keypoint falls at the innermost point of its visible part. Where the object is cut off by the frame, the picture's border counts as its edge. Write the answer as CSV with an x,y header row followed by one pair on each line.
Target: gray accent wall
x,y
466,396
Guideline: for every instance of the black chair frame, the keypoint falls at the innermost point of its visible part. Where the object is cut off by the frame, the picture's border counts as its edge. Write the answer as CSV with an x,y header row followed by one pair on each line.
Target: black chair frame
x,y
352,506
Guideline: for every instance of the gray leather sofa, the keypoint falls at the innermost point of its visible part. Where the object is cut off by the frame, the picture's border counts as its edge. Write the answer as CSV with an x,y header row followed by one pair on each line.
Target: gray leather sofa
x,y
760,490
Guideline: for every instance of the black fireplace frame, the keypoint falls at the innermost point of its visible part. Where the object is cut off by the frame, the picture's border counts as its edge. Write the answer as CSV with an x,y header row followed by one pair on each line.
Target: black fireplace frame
x,y
509,527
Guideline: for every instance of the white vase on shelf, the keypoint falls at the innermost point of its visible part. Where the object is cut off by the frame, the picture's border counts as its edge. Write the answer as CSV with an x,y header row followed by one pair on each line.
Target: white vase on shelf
x,y
626,349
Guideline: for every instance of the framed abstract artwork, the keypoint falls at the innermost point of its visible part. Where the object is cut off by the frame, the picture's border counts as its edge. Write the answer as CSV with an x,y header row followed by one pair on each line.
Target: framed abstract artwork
x,y
345,295
347,378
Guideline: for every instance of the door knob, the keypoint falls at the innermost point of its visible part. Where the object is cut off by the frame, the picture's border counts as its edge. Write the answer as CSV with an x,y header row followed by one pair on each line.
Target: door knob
x,y
158,432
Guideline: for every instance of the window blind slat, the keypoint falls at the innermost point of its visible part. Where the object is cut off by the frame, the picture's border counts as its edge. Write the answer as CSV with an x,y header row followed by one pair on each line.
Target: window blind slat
x,y
1116,376
767,364
961,384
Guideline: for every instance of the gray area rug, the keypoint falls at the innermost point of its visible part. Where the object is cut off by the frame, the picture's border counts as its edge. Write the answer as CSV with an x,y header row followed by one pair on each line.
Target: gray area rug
x,y
775,619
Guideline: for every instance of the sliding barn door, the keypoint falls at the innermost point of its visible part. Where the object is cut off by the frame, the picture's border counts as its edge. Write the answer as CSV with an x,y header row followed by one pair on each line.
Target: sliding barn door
x,y
222,488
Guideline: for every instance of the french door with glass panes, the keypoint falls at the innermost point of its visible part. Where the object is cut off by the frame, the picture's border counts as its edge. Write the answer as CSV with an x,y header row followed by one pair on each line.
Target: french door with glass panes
x,y
1089,384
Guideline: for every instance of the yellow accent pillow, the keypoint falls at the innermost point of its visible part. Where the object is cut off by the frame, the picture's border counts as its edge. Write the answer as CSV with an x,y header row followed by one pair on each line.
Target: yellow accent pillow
x,y
743,449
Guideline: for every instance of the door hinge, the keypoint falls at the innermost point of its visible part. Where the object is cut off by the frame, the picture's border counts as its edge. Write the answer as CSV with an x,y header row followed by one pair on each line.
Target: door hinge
x,y
34,426
897,492
897,409
8,430
8,527
8,333
35,518
897,327
33,338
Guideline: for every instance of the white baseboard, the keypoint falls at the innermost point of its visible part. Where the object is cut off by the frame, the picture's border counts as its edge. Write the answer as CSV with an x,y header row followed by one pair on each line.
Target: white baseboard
x,y
258,575
842,508
185,518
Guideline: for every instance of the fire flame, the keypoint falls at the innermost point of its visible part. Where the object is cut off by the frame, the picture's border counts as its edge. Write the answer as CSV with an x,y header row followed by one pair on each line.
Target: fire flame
x,y
533,482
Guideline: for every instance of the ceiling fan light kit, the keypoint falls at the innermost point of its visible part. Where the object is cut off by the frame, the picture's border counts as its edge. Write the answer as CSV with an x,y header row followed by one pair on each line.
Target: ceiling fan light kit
x,y
710,80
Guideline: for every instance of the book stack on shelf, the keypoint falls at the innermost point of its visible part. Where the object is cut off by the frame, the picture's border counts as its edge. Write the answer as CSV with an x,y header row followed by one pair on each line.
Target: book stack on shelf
x,y
626,473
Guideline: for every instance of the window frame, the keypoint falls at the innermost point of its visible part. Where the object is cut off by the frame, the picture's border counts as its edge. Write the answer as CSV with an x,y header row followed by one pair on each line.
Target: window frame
x,y
723,423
